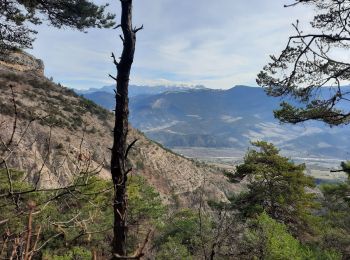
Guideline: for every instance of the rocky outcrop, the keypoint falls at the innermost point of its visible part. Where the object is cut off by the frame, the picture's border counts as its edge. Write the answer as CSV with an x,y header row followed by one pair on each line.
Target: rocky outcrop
x,y
20,61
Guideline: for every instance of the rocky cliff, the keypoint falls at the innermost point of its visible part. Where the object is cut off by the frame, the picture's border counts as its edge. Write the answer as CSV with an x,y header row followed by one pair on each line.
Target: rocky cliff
x,y
20,61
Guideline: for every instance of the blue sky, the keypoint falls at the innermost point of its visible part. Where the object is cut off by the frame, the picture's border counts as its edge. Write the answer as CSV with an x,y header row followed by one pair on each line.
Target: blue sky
x,y
216,43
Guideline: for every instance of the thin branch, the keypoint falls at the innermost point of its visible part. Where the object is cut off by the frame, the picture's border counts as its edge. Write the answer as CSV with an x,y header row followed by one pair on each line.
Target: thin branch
x,y
9,178
114,60
4,221
138,29
129,147
122,38
112,77
35,244
29,232
47,241
13,99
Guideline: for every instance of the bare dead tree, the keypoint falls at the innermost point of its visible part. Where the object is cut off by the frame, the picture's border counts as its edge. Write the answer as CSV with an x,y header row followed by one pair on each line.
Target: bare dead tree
x,y
120,149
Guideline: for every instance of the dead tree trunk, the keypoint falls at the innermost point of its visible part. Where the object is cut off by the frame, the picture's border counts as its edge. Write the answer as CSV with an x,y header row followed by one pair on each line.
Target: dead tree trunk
x,y
120,148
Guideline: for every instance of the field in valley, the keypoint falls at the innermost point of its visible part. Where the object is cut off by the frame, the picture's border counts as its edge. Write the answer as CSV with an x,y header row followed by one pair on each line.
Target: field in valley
x,y
318,167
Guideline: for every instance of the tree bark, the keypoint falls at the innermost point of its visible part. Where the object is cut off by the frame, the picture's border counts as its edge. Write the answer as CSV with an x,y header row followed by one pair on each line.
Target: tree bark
x,y
119,169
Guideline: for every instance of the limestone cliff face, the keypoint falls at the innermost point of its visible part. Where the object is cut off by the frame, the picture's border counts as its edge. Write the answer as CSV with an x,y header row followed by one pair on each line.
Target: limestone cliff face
x,y
20,61
60,134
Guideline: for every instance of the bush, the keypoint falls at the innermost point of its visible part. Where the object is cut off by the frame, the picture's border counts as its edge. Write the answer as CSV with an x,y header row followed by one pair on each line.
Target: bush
x,y
89,204
173,249
76,253
270,239
183,229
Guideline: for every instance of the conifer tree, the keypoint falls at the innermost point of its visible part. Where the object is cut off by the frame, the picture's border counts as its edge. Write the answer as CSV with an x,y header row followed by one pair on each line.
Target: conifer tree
x,y
16,16
310,69
276,185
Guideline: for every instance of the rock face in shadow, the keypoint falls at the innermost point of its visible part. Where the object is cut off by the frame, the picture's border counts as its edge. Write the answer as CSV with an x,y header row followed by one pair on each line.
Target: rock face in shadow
x,y
21,61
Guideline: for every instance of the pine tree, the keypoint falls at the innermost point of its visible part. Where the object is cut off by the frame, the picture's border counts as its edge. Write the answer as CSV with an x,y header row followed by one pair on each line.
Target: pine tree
x,y
276,185
16,16
310,69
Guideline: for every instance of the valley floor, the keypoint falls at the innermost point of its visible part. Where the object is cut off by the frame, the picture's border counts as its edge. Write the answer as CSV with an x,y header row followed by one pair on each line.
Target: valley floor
x,y
318,167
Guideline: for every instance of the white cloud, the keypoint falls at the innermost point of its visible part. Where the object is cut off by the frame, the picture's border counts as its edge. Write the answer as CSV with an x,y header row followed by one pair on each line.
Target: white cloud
x,y
161,127
233,140
323,145
194,116
213,43
230,119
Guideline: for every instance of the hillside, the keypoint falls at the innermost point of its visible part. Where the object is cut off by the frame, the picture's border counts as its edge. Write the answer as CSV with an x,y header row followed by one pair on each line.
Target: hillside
x,y
60,133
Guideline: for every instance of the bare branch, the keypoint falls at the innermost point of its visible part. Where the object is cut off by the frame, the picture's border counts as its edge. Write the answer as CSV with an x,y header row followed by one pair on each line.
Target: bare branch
x,y
129,147
114,60
138,29
15,117
122,38
112,77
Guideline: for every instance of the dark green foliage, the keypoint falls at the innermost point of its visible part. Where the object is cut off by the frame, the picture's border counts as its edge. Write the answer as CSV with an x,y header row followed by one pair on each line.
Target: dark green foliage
x,y
276,185
336,217
76,253
59,146
144,201
17,14
77,121
94,109
173,249
265,238
182,230
308,72
139,165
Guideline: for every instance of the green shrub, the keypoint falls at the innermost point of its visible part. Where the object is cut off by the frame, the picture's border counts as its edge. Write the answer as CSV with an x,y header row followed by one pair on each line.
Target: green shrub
x,y
89,203
139,165
183,228
173,249
76,253
269,239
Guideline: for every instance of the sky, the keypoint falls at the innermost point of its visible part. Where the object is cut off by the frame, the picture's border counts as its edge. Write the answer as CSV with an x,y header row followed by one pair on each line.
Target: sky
x,y
215,43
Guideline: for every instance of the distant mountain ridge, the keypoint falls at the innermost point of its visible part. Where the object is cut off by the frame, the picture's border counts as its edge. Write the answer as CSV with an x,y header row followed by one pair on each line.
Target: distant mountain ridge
x,y
228,119
103,95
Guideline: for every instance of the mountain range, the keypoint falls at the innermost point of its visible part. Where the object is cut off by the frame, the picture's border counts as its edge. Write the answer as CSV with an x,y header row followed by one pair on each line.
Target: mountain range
x,y
102,95
180,117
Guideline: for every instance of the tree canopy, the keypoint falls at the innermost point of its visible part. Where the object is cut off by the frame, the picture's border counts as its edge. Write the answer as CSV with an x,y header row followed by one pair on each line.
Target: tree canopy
x,y
310,62
276,185
17,16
